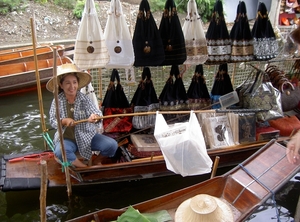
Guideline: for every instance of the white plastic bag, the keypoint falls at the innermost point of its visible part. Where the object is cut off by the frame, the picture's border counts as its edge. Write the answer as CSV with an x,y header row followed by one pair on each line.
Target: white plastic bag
x,y
117,37
90,47
183,146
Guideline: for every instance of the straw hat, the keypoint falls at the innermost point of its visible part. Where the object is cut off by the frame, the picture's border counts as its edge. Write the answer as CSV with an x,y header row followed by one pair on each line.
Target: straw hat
x,y
204,207
84,77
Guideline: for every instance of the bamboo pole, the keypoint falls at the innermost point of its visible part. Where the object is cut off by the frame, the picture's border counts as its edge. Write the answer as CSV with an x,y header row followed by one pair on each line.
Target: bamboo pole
x,y
148,113
43,190
59,125
37,75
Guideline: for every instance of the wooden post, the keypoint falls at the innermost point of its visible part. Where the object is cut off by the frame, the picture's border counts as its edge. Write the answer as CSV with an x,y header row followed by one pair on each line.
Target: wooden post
x,y
214,170
59,125
43,190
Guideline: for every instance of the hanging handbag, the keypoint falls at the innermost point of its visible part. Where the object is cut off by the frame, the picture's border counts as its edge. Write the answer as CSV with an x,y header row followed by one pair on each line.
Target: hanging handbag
x,y
147,43
90,47
241,36
117,37
173,95
195,41
262,95
144,100
222,85
172,35
197,92
264,40
217,37
115,102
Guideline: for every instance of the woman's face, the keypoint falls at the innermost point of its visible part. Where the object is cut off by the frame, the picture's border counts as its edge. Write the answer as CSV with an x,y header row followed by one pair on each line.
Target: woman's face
x,y
69,84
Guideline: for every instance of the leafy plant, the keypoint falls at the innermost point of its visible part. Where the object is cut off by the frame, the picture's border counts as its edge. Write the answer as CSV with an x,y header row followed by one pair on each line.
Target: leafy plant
x,y
7,6
79,7
69,4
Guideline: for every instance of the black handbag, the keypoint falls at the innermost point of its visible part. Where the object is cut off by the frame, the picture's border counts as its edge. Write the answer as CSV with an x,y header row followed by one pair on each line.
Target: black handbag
x,y
173,95
264,39
172,35
147,43
115,102
241,36
217,36
144,100
197,92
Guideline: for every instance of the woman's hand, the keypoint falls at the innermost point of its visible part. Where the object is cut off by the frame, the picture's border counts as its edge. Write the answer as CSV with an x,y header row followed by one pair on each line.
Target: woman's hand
x,y
293,149
94,118
68,122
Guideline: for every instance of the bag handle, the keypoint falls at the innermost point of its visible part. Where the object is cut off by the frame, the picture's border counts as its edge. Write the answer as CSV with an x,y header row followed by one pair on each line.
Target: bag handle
x,y
144,7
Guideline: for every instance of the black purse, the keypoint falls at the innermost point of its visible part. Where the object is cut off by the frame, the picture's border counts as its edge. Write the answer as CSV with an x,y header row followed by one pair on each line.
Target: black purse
x,y
147,43
217,36
172,36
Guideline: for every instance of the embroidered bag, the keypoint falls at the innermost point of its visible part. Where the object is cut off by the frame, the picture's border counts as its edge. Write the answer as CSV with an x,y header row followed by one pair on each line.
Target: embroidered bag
x,y
197,92
144,100
241,36
217,37
90,47
115,102
172,35
147,43
117,37
264,39
195,41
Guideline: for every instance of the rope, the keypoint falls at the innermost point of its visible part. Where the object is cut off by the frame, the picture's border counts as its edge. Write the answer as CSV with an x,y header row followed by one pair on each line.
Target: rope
x,y
51,145
263,185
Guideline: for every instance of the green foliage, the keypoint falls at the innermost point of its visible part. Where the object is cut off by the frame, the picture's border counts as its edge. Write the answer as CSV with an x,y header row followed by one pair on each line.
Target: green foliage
x,y
68,4
79,7
205,7
7,6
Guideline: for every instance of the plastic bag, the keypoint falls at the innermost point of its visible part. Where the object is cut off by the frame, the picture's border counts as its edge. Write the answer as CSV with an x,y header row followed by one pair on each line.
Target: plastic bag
x,y
183,146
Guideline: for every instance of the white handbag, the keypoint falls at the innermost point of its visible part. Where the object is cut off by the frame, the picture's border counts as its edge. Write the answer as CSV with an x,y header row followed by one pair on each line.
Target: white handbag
x,y
90,47
117,37
195,40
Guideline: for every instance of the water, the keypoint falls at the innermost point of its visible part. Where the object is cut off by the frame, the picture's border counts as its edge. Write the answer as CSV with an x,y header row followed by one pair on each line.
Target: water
x,y
20,132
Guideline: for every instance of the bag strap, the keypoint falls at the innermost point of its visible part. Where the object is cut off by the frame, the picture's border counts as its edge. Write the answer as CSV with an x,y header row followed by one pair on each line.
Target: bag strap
x,y
144,7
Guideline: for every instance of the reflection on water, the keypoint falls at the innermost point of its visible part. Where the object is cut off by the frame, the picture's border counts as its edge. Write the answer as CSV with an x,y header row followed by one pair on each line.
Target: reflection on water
x,y
20,131
20,122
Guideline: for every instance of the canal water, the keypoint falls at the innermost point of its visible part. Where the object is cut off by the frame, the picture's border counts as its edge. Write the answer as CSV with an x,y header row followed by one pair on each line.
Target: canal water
x,y
20,132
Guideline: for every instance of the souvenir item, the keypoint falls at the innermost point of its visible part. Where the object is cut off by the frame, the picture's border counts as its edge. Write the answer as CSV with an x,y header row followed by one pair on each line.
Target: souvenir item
x,y
195,41
117,37
217,36
172,35
183,146
90,47
222,85
144,100
262,95
173,95
241,36
197,92
147,42
264,39
115,102
287,125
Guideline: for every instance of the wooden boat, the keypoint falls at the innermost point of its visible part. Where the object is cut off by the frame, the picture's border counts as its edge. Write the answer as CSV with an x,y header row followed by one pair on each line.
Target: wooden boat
x,y
21,76
20,49
26,55
244,188
16,169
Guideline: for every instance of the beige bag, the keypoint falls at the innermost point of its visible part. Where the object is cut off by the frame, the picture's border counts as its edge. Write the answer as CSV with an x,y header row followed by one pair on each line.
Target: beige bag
x,y
90,47
117,37
195,40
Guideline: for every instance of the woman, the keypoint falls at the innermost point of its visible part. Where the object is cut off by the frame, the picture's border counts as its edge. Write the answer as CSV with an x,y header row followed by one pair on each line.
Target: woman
x,y
293,149
74,106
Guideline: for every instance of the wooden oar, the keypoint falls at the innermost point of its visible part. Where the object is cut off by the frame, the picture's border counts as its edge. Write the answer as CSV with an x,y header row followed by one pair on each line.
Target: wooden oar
x,y
59,125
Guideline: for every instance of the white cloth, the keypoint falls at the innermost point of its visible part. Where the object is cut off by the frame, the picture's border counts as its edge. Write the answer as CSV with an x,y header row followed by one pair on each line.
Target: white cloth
x,y
117,37
90,47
